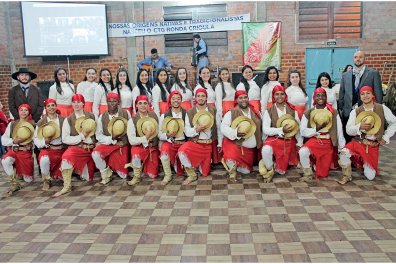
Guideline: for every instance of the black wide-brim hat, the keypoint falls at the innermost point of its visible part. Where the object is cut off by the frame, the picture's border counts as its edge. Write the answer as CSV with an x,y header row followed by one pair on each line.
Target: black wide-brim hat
x,y
24,70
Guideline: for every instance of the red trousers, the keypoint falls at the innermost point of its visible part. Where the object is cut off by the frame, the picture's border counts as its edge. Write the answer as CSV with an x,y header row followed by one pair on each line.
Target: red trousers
x,y
284,150
197,154
149,157
23,162
321,155
78,158
115,156
360,157
170,150
233,153
55,159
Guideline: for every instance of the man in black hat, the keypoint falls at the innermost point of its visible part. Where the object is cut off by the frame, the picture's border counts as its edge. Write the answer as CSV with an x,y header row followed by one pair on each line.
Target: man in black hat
x,y
25,93
202,53
156,62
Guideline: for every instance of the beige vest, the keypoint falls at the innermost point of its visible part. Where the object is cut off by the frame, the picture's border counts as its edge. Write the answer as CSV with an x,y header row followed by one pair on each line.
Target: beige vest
x,y
192,111
237,111
332,130
379,110
135,119
105,122
72,122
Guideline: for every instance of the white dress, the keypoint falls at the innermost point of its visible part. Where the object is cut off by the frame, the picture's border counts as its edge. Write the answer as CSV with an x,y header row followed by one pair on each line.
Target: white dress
x,y
211,93
266,94
67,93
100,97
87,89
125,97
296,96
157,98
187,95
331,97
229,96
136,93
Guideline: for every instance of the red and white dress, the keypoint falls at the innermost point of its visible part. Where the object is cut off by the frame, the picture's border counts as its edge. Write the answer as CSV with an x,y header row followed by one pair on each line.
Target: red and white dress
x,y
126,98
159,106
254,94
226,103
266,95
87,89
64,100
298,99
100,99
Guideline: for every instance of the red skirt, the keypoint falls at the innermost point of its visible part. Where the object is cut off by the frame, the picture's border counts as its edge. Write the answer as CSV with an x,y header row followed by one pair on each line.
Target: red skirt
x,y
321,155
55,159
78,158
227,105
283,151
102,109
23,162
232,152
186,105
88,106
269,104
170,150
197,154
256,104
300,110
212,104
360,157
129,110
163,106
216,156
150,162
65,110
115,156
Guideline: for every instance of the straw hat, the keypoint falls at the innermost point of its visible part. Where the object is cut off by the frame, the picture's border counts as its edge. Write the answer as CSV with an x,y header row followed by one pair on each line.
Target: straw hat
x,y
147,123
87,124
288,120
245,124
372,118
118,125
172,124
205,118
25,131
49,130
321,116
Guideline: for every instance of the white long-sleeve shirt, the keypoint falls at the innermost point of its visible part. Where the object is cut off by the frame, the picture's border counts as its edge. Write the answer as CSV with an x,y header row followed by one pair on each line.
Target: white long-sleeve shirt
x,y
331,98
162,136
67,93
231,133
136,93
41,143
100,136
266,94
310,132
211,99
74,140
133,138
100,97
6,138
273,131
125,97
157,98
190,131
87,89
254,91
354,130
229,96
186,96
296,96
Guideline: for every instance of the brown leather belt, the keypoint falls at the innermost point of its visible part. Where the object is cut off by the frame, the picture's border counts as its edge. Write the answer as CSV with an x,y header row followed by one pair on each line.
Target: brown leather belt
x,y
370,142
180,142
325,136
86,146
56,147
204,141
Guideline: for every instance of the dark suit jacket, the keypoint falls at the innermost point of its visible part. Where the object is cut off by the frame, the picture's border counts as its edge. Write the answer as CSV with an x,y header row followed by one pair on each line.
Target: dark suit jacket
x,y
370,78
16,97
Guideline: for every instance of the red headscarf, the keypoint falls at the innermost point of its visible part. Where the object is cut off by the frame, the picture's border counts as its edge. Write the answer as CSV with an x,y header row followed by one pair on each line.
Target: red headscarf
x,y
368,88
241,92
28,108
321,90
200,90
170,96
51,101
78,97
113,95
280,88
140,98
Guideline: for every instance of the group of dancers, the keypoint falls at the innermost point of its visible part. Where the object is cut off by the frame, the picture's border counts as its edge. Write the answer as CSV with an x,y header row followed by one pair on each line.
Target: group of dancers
x,y
116,126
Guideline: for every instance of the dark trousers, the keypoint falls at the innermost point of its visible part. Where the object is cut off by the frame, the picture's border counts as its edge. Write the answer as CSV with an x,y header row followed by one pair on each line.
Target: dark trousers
x,y
347,137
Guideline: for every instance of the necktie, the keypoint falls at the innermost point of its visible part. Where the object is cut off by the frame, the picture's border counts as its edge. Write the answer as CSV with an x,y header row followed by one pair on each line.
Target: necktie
x,y
25,91
358,74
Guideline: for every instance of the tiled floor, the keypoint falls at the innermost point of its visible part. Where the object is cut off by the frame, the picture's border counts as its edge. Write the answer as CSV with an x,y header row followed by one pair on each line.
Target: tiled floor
x,y
209,221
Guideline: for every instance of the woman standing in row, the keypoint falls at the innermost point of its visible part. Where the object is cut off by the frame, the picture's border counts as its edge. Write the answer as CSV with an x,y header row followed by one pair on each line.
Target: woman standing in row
x,y
324,81
296,92
124,89
62,91
160,93
181,84
225,93
87,88
250,86
205,83
104,87
142,87
271,77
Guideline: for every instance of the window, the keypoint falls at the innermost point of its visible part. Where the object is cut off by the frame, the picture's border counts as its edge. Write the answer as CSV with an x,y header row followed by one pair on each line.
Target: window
x,y
330,20
182,43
